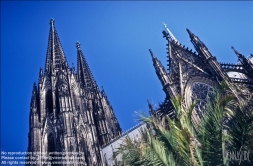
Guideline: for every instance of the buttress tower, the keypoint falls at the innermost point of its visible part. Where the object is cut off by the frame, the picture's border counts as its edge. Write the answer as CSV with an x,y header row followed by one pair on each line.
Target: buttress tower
x,y
68,112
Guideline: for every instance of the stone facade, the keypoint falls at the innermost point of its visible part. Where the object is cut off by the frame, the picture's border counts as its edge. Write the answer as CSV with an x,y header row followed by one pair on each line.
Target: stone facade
x,y
193,76
68,112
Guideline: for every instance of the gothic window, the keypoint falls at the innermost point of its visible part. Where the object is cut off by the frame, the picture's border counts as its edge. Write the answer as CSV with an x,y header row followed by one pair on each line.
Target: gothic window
x,y
201,92
83,147
57,102
75,97
71,149
82,144
51,146
49,102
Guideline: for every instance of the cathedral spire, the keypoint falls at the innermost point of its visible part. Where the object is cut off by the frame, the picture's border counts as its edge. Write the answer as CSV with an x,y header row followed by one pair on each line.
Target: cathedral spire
x,y
171,36
66,101
55,59
85,75
209,60
241,58
160,70
198,44
247,65
152,55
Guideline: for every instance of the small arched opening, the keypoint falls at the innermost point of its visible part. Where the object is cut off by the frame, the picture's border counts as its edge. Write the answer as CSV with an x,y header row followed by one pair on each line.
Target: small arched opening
x,y
51,148
49,102
57,102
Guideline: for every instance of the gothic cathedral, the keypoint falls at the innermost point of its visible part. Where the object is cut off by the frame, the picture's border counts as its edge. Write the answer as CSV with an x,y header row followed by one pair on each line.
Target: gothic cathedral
x,y
68,112
70,117
195,76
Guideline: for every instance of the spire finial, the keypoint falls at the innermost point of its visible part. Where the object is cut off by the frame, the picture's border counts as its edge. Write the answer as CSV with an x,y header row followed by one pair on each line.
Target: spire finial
x,y
148,103
190,33
195,40
233,48
242,58
170,34
78,45
52,22
192,36
236,52
151,53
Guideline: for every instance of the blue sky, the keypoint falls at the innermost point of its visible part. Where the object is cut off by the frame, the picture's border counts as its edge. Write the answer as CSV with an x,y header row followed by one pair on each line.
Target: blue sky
x,y
115,38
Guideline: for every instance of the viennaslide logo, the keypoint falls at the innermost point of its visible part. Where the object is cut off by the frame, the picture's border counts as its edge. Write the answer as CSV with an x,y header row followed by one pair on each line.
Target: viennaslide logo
x,y
238,155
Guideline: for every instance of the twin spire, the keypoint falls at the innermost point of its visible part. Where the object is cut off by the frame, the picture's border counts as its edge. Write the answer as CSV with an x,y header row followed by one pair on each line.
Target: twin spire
x,y
56,60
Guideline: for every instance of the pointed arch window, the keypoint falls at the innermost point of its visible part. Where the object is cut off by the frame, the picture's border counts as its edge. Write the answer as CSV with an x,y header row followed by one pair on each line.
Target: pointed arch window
x,y
49,102
201,92
83,148
51,146
57,97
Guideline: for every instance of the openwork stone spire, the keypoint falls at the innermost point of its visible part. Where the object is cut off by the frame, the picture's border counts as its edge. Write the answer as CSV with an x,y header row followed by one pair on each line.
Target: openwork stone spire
x,y
85,75
68,113
55,59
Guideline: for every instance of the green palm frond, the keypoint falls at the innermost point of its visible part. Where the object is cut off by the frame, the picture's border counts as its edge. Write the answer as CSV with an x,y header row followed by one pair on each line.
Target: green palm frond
x,y
225,125
240,131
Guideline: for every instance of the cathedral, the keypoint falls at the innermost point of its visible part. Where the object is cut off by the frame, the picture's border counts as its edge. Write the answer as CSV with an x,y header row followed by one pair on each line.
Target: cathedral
x,y
72,121
70,118
195,75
